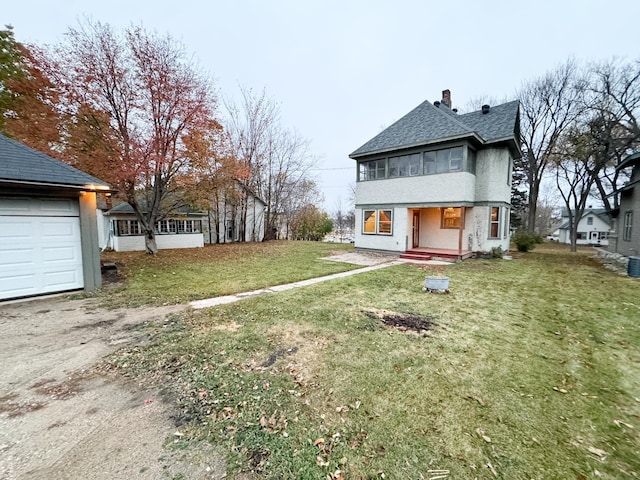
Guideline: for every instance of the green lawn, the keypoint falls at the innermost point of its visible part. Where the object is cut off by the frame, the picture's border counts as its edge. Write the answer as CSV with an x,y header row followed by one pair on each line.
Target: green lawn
x,y
530,370
182,275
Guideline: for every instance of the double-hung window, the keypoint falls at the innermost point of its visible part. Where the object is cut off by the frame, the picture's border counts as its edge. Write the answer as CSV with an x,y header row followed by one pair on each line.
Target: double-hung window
x,y
494,223
377,222
127,227
166,226
626,228
188,226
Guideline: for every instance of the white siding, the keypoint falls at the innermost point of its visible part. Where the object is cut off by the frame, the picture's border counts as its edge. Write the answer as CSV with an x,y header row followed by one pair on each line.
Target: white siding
x,y
136,242
597,226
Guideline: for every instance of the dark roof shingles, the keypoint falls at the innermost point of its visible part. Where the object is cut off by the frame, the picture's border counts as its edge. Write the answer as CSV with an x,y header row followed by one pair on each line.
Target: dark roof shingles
x,y
21,163
428,123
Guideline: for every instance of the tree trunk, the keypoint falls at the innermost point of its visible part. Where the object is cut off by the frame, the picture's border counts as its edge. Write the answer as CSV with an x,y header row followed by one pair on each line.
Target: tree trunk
x,y
533,205
150,243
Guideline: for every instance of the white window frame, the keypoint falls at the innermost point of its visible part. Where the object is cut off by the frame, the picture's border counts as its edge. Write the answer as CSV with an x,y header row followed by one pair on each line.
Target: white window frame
x,y
377,215
497,222
627,227
128,228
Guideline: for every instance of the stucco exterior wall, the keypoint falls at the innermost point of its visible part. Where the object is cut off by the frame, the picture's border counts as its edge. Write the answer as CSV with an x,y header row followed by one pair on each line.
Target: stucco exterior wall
x,y
493,176
431,233
396,242
478,229
489,187
443,188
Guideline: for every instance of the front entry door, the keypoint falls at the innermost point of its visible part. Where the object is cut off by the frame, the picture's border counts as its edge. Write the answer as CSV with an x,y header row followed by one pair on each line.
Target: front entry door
x,y
416,229
593,237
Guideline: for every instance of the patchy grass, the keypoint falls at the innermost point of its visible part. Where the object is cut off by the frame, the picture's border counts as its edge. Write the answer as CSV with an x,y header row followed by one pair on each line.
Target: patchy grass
x,y
528,369
182,275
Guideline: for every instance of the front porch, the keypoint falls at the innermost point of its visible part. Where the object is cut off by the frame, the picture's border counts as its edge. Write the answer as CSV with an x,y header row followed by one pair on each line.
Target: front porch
x,y
426,253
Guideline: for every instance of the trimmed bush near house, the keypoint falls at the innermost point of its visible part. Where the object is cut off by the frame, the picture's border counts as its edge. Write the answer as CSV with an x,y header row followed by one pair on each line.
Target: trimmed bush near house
x,y
524,240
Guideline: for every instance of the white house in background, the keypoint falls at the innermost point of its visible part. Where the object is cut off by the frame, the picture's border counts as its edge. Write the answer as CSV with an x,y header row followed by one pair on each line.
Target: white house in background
x,y
239,219
119,229
593,228
436,183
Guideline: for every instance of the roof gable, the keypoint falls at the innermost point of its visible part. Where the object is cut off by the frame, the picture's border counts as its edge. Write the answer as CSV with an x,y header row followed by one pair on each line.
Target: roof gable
x,y
428,123
22,164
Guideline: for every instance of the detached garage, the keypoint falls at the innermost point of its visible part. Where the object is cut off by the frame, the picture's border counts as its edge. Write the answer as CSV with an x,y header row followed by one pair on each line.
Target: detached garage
x,y
48,228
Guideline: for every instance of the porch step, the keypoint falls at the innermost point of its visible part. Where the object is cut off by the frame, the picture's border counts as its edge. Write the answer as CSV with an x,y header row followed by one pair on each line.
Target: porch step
x,y
437,253
413,255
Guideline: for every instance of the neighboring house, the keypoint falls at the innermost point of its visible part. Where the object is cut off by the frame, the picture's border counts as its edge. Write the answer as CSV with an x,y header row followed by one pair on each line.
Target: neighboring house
x,y
120,230
593,228
239,219
439,183
625,237
48,229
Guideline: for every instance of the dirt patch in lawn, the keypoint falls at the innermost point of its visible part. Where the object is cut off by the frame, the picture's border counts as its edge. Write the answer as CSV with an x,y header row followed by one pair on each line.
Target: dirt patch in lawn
x,y
404,322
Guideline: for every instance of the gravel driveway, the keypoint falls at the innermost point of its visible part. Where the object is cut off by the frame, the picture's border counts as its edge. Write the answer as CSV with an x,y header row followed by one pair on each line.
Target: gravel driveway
x,y
60,420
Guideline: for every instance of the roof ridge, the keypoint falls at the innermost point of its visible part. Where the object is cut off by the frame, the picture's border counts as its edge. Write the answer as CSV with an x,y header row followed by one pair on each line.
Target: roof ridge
x,y
453,117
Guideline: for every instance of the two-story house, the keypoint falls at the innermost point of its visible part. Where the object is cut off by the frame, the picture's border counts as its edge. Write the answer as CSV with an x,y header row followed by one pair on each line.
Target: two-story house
x,y
625,239
438,183
593,227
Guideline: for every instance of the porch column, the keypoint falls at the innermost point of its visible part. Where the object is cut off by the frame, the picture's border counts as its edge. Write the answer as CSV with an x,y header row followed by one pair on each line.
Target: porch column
x,y
461,230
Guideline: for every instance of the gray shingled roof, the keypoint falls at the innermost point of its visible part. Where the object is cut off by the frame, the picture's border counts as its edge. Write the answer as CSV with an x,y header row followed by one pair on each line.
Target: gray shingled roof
x,y
126,208
19,163
429,124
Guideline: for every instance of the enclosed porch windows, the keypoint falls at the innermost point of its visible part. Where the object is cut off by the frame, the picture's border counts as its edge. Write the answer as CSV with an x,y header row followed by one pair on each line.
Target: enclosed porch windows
x,y
430,162
443,161
377,222
404,166
372,170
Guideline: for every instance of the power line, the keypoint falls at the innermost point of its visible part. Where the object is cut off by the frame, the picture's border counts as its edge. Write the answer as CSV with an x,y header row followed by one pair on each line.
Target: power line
x,y
336,168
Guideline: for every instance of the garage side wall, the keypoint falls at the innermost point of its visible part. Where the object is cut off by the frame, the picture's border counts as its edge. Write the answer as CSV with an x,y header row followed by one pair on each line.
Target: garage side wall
x,y
90,241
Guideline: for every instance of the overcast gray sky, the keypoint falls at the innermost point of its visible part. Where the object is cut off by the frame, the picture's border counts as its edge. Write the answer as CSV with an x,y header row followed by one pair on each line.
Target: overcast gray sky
x,y
343,70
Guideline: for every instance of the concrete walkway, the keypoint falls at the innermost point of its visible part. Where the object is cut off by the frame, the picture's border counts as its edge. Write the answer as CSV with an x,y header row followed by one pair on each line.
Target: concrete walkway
x,y
370,261
212,302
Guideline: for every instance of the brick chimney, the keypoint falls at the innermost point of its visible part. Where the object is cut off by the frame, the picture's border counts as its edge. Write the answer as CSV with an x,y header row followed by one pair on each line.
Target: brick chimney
x,y
446,97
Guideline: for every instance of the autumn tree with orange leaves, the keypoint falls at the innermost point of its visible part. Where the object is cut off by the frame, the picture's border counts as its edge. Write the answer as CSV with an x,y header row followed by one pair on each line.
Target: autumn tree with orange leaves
x,y
28,99
138,114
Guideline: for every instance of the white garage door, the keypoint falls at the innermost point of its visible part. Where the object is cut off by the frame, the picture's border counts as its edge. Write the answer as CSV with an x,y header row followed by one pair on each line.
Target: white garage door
x,y
40,249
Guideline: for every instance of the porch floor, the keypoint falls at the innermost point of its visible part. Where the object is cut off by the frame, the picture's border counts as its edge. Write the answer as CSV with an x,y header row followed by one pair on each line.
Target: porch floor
x,y
426,253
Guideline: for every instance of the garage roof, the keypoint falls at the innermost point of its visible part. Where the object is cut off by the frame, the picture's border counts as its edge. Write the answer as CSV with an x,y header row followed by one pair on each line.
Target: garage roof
x,y
20,164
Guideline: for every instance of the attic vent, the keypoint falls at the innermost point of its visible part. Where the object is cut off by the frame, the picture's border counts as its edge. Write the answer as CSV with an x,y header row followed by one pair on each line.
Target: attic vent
x,y
437,103
485,109
455,110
